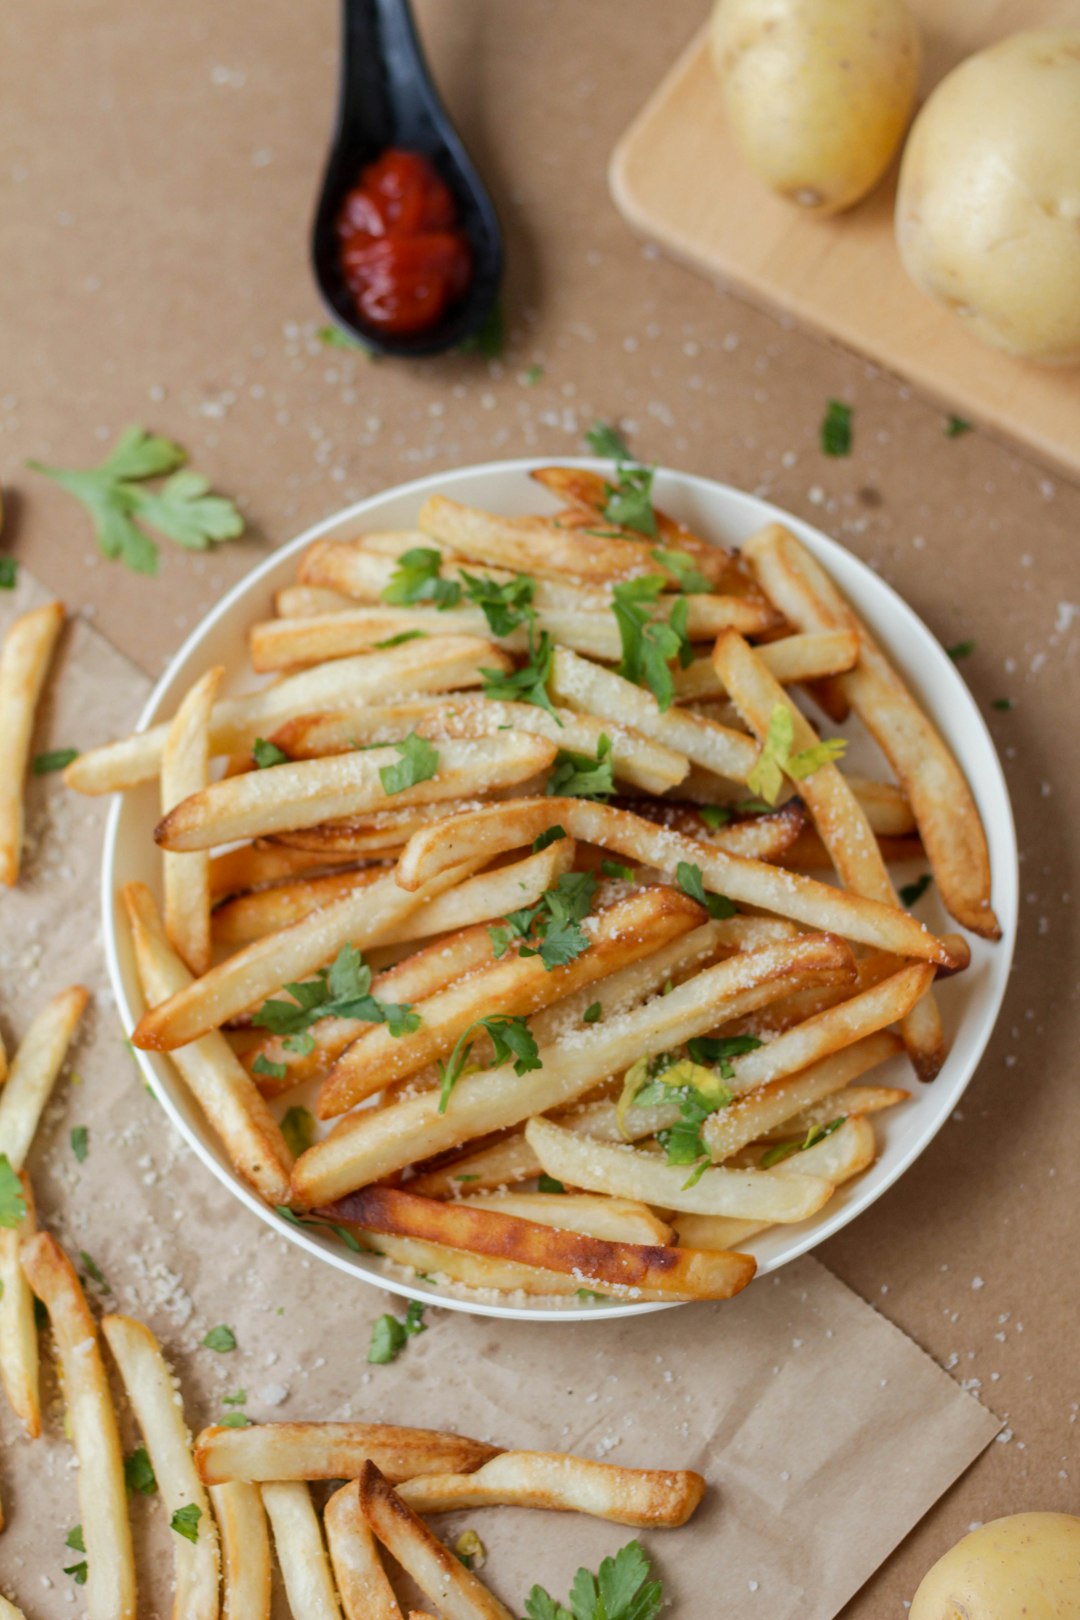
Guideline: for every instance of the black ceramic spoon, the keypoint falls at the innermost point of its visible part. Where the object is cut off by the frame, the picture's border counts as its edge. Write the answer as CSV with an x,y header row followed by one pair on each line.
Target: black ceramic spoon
x,y
387,99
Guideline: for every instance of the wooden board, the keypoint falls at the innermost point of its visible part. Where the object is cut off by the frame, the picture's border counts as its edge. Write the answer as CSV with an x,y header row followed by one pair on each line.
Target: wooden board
x,y
678,179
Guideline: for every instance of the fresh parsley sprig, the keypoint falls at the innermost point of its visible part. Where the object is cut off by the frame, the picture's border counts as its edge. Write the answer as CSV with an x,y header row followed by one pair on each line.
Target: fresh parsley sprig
x,y
342,990
650,643
777,760
12,1197
505,606
621,1590
389,1335
122,509
552,928
836,431
628,502
417,578
579,776
418,763
529,683
511,1038
690,881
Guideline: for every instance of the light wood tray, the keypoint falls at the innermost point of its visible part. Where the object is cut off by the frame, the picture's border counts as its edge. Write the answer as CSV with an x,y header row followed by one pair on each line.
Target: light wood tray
x,y
678,179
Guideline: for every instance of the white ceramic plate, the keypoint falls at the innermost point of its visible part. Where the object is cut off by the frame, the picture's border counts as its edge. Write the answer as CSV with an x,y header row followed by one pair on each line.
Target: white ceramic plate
x,y
969,1003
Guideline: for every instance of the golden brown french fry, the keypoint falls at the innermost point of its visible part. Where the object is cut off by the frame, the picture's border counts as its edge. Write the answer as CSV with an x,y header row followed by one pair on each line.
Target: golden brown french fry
x,y
251,866
185,769
851,1101
156,1401
885,806
365,1592
629,1172
597,691
246,979
441,1576
378,836
245,1545
110,1582
18,1329
838,817
304,601
623,1220
496,828
25,655
843,1154
272,1451
307,792
249,917
34,1070
225,1092
761,837
417,976
618,935
791,659
372,1144
680,1273
302,1559
940,798
807,853
485,1272
648,1498
439,664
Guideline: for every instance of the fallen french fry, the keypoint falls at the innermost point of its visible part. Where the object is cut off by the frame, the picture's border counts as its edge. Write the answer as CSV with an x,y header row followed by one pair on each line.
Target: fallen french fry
x,y
18,1329
441,1576
305,1570
372,1144
185,769
245,1546
26,652
305,1451
439,664
496,828
225,1092
365,1592
517,985
110,1581
155,1399
678,1273
622,1220
946,813
648,1498
307,792
34,1071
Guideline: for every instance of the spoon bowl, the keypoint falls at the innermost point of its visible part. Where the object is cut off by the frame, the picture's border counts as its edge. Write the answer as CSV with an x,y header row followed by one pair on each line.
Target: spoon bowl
x,y
387,99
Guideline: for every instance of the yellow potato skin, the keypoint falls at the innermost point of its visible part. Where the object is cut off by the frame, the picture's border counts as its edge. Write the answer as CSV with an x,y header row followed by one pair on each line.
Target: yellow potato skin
x,y
818,92
1026,1567
988,210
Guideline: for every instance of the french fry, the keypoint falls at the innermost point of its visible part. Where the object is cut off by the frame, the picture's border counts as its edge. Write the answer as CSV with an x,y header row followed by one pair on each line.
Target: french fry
x,y
18,1329
761,838
843,1154
25,655
373,1144
305,601
619,935
253,866
441,1576
439,664
946,813
807,853
680,1273
8,1611
634,758
647,1498
249,917
790,660
419,975
155,1398
365,1592
225,1092
616,1168
884,805
623,1220
315,790
302,1559
302,1451
110,1582
505,826
245,1546
34,1071
361,919
838,817
851,1102
586,686
185,769
379,836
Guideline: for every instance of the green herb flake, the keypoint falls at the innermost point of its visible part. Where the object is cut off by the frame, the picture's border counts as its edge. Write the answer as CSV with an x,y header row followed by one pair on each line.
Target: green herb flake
x,y
388,1339
620,1591
912,892
1003,705
80,1142
776,758
527,684
715,815
784,1150
549,1184
93,1270
400,639
9,573
139,1472
607,441
265,1066
690,579
335,337
266,754
185,1521
629,502
419,763
836,429
123,509
234,1420
581,776
56,760
615,869
417,578
532,375
505,606
960,649
340,991
649,644
511,1038
544,839
12,1197
220,1338
78,1572
74,1540
298,1129
957,426
688,877
593,1013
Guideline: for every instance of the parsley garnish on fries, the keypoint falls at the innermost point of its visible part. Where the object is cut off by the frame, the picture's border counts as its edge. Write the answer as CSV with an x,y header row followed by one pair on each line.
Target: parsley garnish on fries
x,y
620,1591
579,776
417,579
12,1197
552,929
648,643
511,1038
342,990
776,759
419,763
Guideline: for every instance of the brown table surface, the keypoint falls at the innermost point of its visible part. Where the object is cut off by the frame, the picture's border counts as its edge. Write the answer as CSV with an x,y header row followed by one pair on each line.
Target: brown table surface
x,y
157,172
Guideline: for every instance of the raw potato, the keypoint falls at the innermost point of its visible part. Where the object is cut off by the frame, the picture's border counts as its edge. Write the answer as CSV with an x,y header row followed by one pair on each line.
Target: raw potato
x,y
1026,1567
818,92
988,212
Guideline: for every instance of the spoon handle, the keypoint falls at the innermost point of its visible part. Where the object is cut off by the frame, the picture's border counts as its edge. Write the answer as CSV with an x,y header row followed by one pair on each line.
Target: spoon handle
x,y
386,91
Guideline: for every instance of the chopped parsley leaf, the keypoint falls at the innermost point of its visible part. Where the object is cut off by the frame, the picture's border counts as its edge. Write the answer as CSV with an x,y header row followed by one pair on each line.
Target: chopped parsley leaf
x,y
419,763
620,1591
340,991
691,581
690,881
80,1142
93,1270
220,1338
715,815
784,1150
139,1472
9,573
504,606
955,426
649,644
579,776
511,1038
400,639
615,869
552,928
836,429
548,1184
960,649
389,1336
266,754
1003,705
551,836
767,775
607,441
12,1197
417,578
265,1066
185,1521
593,1013
56,760
298,1129
911,892
532,375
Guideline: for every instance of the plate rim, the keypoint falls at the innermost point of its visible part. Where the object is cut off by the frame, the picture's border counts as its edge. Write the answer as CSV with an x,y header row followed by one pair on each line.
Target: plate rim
x,y
327,1250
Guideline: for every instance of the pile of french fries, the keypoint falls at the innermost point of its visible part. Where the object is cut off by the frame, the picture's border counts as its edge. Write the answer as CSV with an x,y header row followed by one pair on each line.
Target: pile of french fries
x,y
425,776
219,1494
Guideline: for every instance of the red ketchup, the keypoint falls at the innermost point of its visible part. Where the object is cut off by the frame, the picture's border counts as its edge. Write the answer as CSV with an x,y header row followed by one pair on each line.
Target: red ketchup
x,y
403,253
